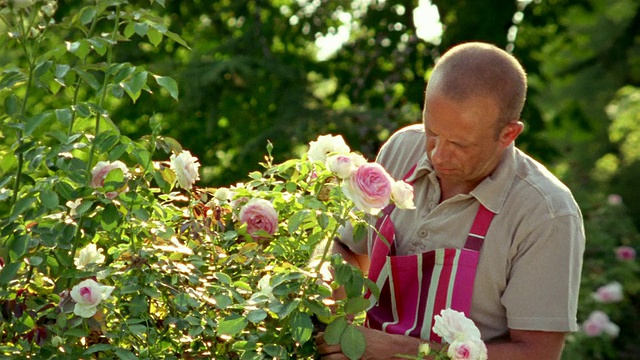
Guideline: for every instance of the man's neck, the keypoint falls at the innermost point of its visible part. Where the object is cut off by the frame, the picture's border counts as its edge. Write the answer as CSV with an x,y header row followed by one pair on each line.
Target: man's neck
x,y
449,190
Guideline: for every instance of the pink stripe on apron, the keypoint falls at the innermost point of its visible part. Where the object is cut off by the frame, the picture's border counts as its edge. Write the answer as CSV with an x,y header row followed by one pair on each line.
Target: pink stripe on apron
x,y
414,288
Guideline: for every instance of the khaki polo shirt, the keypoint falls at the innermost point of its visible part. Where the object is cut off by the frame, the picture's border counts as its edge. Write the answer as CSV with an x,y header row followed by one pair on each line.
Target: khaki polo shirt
x,y
529,271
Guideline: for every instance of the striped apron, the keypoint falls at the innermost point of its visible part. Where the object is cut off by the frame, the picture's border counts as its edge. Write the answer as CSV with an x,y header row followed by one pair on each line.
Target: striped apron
x,y
414,288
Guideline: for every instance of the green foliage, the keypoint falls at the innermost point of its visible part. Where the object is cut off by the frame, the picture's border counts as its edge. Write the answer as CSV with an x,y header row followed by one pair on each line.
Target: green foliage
x,y
82,201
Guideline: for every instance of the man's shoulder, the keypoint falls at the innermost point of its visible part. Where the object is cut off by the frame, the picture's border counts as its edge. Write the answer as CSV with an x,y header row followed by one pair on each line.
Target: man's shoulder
x,y
403,149
536,181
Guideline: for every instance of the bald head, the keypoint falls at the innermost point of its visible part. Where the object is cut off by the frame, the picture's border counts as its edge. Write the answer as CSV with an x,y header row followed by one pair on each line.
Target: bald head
x,y
481,70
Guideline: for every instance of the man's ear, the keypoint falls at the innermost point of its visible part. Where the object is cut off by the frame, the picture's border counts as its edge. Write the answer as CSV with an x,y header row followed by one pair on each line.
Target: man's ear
x,y
510,132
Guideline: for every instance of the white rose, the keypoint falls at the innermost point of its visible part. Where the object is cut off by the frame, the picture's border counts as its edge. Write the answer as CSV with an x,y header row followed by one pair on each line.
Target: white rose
x,y
325,145
343,165
402,195
88,295
452,324
89,255
185,167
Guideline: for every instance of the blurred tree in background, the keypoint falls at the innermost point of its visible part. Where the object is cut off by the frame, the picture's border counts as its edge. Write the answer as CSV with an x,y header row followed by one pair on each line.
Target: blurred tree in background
x,y
253,71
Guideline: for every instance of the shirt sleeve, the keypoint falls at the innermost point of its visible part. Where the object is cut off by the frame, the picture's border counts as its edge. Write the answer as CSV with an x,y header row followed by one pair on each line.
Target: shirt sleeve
x,y
544,278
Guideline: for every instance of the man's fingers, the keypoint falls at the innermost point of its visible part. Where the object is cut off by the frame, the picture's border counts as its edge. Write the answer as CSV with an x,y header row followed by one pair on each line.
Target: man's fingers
x,y
328,352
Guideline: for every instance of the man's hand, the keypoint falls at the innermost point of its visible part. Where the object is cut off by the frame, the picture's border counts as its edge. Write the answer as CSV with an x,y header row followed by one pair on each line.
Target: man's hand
x,y
380,345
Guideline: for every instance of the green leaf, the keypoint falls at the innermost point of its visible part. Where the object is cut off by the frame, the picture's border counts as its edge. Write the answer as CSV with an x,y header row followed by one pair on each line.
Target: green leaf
x,y
34,122
9,272
88,78
19,247
155,37
276,351
232,326
353,342
255,316
134,86
175,37
301,327
355,286
334,331
168,83
356,305
64,116
22,205
49,199
98,348
223,278
79,48
126,354
141,28
12,104
62,70
129,30
87,15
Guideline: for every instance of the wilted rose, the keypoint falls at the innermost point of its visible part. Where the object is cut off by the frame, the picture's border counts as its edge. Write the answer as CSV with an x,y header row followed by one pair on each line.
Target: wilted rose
x,y
369,187
88,294
102,169
326,145
259,214
343,165
609,293
599,323
467,349
402,195
185,167
626,253
89,255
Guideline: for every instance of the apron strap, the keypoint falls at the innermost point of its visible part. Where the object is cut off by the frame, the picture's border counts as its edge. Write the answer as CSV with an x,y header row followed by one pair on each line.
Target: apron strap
x,y
479,228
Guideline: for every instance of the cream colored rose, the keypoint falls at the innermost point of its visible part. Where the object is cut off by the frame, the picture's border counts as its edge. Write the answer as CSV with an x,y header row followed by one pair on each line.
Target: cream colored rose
x,y
327,145
89,255
402,195
185,166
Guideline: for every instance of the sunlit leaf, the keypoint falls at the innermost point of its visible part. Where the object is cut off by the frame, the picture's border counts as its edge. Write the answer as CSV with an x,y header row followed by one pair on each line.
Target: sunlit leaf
x,y
353,343
232,326
169,84
334,330
301,327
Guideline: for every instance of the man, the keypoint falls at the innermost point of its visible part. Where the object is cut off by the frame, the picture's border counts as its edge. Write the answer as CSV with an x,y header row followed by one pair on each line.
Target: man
x,y
494,234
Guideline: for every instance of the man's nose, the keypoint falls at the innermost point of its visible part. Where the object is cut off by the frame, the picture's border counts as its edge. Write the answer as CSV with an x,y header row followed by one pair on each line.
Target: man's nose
x,y
439,152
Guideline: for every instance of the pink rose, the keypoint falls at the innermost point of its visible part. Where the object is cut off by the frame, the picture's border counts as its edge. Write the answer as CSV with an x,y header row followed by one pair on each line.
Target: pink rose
x,y
609,293
88,294
259,214
343,165
467,349
598,323
626,253
100,172
369,187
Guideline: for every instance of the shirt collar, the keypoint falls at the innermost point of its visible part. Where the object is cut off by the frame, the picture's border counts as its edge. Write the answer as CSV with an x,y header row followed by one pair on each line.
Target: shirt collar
x,y
492,191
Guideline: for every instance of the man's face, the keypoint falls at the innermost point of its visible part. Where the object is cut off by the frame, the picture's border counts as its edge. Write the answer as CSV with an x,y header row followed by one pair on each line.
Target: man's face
x,y
461,139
